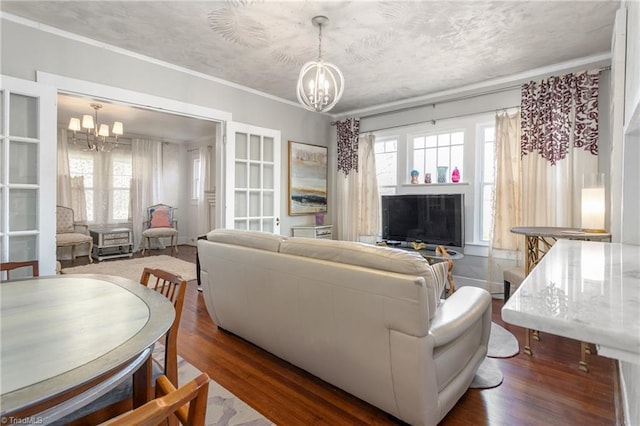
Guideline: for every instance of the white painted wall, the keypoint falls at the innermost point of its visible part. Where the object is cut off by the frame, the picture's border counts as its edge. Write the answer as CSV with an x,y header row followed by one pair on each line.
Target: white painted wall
x,y
27,49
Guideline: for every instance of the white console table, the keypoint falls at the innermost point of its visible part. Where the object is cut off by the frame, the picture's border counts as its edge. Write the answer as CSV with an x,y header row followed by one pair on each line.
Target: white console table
x,y
587,291
319,231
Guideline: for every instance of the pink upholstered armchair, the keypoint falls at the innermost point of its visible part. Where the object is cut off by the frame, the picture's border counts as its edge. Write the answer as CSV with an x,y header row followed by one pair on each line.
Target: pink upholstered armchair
x,y
160,224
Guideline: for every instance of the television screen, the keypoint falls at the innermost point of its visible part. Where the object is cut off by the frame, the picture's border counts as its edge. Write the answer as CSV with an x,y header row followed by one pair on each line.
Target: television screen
x,y
434,219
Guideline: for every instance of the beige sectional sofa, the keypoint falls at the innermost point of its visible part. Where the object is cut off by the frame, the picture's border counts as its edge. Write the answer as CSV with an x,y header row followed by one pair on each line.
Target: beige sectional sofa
x,y
366,319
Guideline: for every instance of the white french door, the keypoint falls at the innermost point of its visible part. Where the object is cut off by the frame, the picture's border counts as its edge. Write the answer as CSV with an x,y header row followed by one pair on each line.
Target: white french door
x,y
252,178
28,173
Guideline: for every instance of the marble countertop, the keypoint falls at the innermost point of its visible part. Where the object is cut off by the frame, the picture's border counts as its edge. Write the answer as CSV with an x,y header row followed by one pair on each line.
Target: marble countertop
x,y
584,290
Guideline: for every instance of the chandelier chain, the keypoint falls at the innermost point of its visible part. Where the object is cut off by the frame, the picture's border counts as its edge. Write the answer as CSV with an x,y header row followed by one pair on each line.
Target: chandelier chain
x,y
320,43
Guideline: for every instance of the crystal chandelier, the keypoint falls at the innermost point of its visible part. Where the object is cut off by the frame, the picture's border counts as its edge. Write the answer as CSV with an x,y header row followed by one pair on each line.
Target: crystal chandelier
x,y
95,135
320,84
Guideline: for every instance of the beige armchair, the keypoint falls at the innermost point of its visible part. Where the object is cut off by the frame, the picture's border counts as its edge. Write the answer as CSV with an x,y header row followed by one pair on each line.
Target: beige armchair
x,y
71,234
160,224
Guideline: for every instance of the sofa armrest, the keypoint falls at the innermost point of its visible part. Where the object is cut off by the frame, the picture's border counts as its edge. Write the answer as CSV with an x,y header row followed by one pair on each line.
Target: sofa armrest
x,y
81,228
456,314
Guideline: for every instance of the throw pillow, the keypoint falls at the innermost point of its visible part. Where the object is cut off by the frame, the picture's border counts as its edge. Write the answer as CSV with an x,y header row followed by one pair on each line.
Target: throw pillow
x,y
160,218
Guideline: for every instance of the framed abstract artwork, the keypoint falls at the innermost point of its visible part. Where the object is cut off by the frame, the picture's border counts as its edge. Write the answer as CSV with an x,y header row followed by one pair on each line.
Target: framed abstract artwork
x,y
307,178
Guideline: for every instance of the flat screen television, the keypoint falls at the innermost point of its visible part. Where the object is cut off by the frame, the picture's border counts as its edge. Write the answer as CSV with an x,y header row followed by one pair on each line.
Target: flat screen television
x,y
434,219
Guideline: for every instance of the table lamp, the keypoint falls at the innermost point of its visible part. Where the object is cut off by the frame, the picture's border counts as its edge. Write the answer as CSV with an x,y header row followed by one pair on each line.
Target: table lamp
x,y
593,202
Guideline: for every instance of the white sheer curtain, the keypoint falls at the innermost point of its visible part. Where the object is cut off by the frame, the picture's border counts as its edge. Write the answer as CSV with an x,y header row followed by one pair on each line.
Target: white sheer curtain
x,y
357,198
63,195
507,207
146,183
204,224
507,196
70,190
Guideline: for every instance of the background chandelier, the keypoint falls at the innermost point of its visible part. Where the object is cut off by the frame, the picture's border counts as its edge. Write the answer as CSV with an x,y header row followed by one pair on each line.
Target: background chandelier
x,y
97,135
320,84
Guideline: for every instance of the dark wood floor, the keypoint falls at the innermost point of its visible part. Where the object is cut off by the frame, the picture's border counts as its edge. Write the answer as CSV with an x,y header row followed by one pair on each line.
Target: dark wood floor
x,y
544,389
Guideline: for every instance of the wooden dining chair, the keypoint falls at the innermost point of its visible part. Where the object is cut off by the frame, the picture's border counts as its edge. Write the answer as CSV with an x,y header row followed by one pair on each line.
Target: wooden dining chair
x,y
173,287
188,403
11,266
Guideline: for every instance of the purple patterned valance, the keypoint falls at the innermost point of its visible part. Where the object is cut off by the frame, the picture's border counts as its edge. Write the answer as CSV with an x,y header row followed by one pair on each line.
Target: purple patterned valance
x,y
348,131
555,109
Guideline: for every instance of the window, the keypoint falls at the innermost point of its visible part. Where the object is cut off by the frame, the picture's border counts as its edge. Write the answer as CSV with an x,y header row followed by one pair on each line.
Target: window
x,y
386,152
487,139
107,193
434,150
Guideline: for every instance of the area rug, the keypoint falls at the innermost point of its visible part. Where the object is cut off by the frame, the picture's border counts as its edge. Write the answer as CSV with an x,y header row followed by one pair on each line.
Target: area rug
x,y
132,268
502,344
223,407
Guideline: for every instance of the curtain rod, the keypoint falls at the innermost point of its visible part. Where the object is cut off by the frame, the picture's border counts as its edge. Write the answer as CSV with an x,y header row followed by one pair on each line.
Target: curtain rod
x,y
434,121
459,98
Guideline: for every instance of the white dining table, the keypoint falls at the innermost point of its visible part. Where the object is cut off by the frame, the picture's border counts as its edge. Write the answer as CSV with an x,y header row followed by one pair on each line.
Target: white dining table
x,y
67,339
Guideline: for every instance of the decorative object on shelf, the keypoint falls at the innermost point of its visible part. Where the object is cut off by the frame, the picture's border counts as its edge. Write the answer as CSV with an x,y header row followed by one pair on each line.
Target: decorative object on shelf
x,y
418,246
319,219
455,175
427,178
414,176
307,178
442,174
94,134
320,84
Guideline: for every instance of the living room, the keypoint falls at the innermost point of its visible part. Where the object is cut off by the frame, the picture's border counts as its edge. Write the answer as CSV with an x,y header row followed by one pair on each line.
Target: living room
x,y
27,54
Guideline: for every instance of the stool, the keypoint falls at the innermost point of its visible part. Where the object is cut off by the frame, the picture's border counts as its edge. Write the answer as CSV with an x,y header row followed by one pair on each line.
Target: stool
x,y
513,276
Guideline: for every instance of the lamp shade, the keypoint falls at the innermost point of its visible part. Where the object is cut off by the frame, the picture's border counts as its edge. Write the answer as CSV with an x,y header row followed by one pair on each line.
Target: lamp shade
x,y
117,128
593,207
104,130
74,124
87,122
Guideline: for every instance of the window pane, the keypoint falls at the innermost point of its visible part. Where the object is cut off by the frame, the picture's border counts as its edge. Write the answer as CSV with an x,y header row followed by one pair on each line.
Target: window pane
x,y
488,175
23,205
267,149
418,160
241,175
457,138
241,146
121,204
391,146
23,162
457,159
431,141
386,166
487,201
430,164
443,156
255,148
444,139
489,134
418,143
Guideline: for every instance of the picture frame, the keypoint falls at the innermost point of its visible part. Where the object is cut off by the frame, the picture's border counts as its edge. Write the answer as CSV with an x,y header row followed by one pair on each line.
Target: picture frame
x,y
307,178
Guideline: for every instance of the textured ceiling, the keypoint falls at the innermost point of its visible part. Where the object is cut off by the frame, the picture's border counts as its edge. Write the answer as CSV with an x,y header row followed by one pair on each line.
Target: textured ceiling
x,y
388,51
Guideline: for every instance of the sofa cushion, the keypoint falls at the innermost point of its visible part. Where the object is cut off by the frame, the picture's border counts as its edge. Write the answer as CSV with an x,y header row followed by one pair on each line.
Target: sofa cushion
x,y
369,256
253,239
